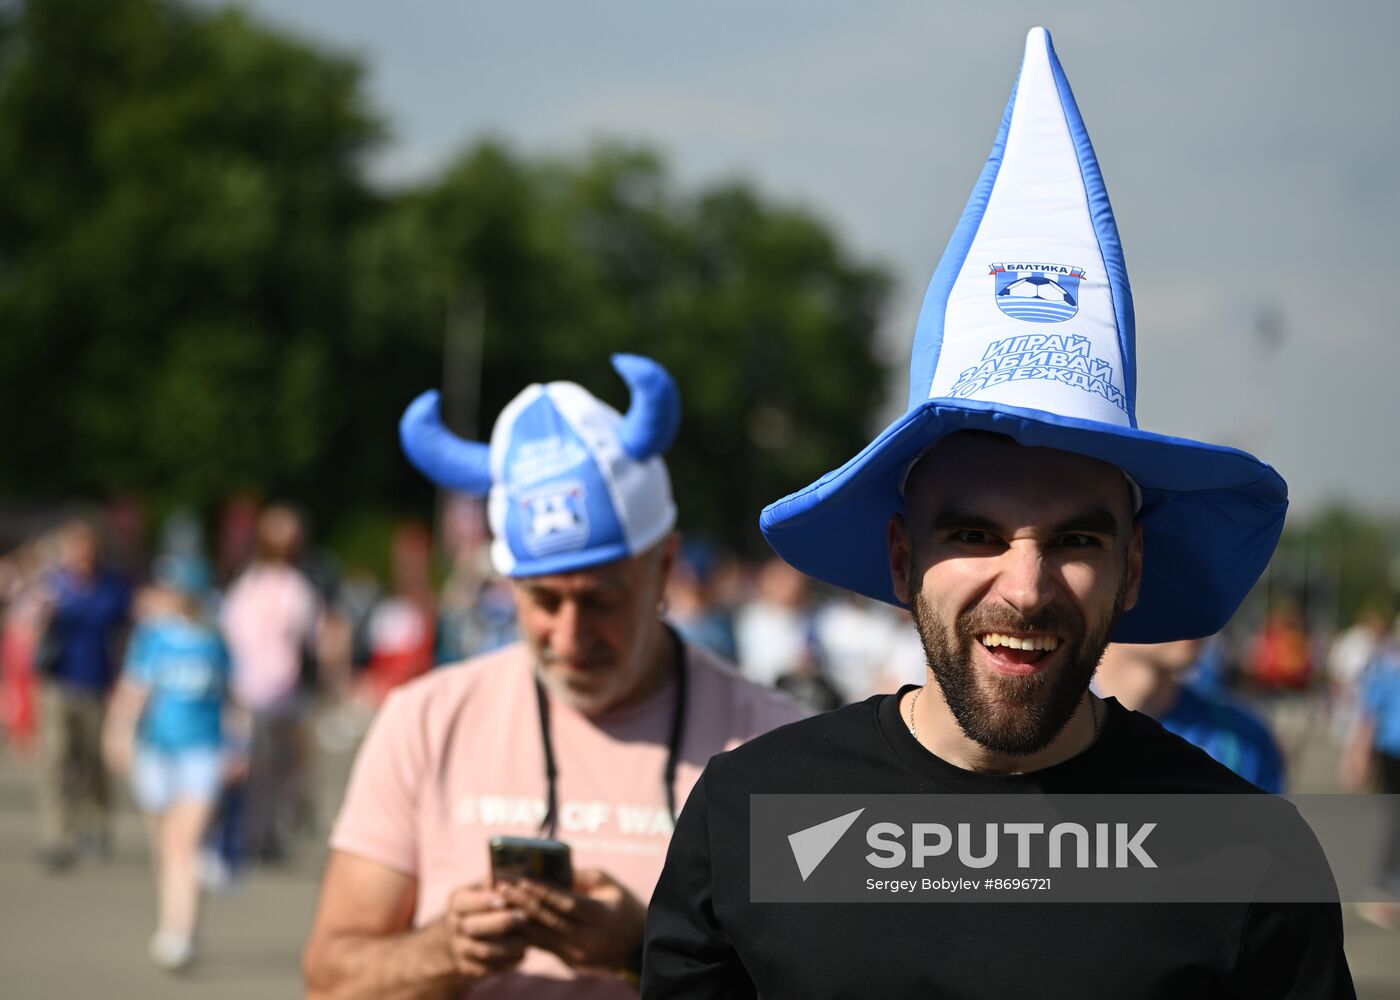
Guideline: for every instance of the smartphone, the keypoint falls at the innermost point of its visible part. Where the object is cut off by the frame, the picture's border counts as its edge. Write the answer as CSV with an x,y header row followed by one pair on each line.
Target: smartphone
x,y
547,861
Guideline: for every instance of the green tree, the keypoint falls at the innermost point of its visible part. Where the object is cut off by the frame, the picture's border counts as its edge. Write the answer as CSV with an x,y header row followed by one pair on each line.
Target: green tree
x,y
767,324
177,189
200,294
1340,559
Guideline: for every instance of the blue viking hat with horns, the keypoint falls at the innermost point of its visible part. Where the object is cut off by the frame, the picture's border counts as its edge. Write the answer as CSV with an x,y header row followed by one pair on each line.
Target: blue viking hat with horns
x,y
1027,330
571,483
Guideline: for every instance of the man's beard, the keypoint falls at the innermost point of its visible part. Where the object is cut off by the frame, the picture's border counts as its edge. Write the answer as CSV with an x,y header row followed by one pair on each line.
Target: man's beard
x,y
1007,714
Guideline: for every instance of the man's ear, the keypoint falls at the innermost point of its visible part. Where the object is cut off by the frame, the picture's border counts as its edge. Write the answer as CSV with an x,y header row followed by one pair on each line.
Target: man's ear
x,y
667,553
1130,597
901,553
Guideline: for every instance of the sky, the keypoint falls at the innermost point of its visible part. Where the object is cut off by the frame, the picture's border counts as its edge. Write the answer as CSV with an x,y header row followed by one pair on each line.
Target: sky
x,y
1249,148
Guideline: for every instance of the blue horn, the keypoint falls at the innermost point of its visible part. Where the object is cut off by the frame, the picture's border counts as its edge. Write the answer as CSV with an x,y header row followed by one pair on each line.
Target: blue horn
x,y
654,416
438,453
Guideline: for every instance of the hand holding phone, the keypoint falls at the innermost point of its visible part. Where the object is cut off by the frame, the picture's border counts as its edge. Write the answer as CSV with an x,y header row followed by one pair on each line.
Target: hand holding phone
x,y
596,925
483,938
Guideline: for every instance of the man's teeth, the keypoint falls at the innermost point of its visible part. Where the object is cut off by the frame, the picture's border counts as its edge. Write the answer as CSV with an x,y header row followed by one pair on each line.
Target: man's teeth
x,y
1019,642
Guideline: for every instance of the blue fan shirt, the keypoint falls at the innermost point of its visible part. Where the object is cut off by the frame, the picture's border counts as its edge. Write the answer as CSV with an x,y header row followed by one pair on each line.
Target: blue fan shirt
x,y
1231,734
185,668
1380,701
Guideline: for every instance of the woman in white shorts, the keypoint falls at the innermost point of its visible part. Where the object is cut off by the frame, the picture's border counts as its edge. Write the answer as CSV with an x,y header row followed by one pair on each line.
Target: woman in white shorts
x,y
166,728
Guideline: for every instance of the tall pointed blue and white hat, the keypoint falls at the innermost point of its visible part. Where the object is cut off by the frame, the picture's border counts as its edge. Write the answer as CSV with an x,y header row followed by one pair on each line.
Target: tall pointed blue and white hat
x,y
1027,330
571,483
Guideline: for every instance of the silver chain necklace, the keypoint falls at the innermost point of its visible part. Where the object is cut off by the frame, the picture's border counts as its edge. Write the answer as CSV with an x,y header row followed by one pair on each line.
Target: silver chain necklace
x,y
914,732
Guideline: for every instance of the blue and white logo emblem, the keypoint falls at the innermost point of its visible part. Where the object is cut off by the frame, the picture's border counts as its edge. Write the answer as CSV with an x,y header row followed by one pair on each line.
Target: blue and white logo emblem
x,y
1037,293
556,518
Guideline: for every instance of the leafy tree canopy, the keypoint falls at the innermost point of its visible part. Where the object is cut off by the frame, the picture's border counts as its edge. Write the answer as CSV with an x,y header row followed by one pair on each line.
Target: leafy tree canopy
x,y
177,189
200,294
764,320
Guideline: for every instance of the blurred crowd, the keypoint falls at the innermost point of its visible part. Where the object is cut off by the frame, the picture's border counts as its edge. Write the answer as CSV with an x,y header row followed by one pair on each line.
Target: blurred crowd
x,y
199,676
303,630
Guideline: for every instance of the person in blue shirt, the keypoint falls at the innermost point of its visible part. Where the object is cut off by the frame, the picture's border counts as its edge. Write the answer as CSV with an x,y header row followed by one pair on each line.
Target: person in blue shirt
x,y
86,615
1153,679
1373,759
166,730
1380,712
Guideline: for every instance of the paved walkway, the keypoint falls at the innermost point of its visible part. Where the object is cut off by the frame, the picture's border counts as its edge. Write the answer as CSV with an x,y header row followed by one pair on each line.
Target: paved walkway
x,y
83,934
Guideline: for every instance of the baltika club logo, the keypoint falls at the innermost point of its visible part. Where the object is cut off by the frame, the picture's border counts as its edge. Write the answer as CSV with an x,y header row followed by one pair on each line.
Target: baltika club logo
x,y
556,518
1037,293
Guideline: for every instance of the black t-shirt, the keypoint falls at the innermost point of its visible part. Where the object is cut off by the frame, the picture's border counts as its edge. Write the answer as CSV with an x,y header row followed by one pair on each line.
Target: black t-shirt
x,y
706,939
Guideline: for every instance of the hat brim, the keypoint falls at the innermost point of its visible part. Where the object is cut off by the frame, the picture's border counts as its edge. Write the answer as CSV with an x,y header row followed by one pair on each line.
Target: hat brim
x,y
1211,515
592,557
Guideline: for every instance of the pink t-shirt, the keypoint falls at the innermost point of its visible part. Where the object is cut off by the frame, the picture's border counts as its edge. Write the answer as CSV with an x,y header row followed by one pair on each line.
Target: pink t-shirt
x,y
455,758
268,616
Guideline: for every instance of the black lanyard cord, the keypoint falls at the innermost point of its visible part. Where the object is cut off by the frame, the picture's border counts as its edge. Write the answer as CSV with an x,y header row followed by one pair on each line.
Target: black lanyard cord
x,y
673,745
551,773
